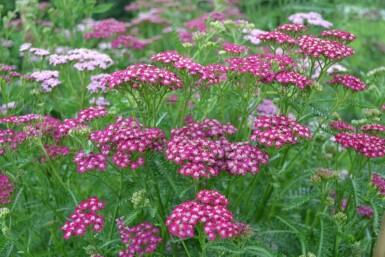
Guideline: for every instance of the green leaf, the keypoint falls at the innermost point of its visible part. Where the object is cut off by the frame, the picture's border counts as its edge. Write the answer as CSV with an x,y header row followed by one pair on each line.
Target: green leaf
x,y
297,202
101,8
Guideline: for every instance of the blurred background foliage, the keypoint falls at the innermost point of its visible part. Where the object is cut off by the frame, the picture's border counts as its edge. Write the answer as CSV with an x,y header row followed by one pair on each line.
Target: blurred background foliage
x,y
364,18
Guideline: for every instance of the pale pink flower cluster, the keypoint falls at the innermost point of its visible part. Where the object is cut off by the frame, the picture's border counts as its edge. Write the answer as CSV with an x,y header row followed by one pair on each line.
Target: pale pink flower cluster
x,y
49,79
311,18
83,59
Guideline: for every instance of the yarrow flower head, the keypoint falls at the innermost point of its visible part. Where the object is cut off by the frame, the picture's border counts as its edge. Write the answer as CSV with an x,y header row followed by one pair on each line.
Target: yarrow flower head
x,y
293,78
142,239
84,216
107,28
338,35
368,145
6,189
277,37
128,41
204,151
291,29
126,138
365,211
84,59
49,79
373,128
235,49
91,113
341,126
209,209
311,18
348,81
166,57
96,85
141,75
203,75
379,183
278,131
310,45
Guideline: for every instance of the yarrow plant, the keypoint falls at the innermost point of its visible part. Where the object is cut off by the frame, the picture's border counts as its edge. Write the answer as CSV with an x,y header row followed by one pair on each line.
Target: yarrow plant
x,y
84,216
185,125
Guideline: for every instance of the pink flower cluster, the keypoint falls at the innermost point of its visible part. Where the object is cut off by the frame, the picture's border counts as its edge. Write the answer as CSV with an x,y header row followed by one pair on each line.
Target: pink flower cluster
x,y
139,75
128,41
277,37
91,113
338,35
49,79
235,49
373,128
293,78
368,145
260,65
348,81
311,18
142,239
166,57
200,155
365,211
341,126
278,131
89,161
53,151
310,45
291,28
210,210
195,69
379,183
18,120
84,59
126,137
84,216
6,189
96,85
106,29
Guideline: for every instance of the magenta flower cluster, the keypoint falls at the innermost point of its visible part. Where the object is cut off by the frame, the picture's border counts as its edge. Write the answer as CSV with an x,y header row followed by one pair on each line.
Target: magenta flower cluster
x,y
291,28
379,183
365,211
204,151
208,209
84,216
368,145
310,45
106,29
127,139
277,37
278,131
6,189
293,78
139,75
338,35
373,128
142,239
341,126
348,81
235,49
